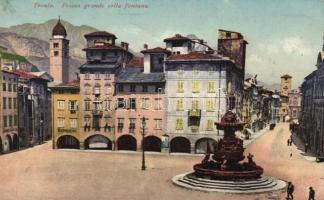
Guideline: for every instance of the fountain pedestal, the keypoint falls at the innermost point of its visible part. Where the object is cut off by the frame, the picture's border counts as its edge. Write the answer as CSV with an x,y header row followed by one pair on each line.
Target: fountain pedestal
x,y
225,164
225,170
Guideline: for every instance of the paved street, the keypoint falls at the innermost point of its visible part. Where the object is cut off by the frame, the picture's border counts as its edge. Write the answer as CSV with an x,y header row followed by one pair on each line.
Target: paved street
x,y
42,173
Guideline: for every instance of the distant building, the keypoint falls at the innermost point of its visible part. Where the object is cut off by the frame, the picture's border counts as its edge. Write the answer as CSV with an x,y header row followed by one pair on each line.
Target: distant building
x,y
294,105
34,113
285,88
59,54
285,85
275,108
284,108
311,119
250,106
256,112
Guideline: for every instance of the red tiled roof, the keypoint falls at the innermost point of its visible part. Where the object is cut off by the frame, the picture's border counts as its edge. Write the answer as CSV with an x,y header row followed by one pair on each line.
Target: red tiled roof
x,y
100,34
8,71
193,56
105,46
74,83
25,74
156,50
177,37
136,62
265,90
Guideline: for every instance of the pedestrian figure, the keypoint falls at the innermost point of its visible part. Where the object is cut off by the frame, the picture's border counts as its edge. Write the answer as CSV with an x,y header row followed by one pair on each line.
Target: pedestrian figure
x,y
290,155
290,191
288,142
311,195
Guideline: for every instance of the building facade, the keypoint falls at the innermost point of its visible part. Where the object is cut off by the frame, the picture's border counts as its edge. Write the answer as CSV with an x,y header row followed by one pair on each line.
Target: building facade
x,y
294,105
180,90
34,123
66,121
275,108
311,119
9,112
200,87
285,84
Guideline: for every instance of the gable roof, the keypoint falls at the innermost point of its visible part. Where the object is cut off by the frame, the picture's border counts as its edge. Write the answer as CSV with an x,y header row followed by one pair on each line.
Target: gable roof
x,y
156,50
194,56
100,34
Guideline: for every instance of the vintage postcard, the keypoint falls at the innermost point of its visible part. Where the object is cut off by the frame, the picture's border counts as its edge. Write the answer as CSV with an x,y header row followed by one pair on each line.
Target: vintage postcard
x,y
161,100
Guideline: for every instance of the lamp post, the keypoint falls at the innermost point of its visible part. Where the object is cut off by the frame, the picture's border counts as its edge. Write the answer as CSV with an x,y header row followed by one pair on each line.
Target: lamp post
x,y
143,152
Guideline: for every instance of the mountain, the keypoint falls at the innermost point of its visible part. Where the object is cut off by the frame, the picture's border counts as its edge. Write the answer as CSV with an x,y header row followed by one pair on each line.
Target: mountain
x,y
32,42
44,32
36,51
274,86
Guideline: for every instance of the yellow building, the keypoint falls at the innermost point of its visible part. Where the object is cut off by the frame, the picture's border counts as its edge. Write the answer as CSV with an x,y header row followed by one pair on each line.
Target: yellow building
x,y
66,115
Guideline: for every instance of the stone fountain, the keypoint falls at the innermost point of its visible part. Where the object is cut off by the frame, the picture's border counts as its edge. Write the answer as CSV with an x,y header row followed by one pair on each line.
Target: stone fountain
x,y
225,170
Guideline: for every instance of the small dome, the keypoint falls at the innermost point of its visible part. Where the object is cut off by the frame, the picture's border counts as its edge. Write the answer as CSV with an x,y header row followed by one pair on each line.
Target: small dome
x,y
59,29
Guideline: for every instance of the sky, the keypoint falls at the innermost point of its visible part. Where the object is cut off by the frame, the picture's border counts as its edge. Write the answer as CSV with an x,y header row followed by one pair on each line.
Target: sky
x,y
284,36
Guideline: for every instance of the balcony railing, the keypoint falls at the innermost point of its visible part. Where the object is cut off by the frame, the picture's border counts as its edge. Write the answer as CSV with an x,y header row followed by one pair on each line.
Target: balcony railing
x,y
194,113
67,130
194,128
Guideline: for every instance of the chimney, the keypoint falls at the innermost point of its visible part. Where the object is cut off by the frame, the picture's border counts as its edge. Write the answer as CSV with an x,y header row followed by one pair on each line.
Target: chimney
x,y
178,35
126,46
145,46
122,44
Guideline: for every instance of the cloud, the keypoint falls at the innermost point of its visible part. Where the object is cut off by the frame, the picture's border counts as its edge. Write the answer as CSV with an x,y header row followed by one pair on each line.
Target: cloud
x,y
294,45
133,29
255,59
289,45
6,6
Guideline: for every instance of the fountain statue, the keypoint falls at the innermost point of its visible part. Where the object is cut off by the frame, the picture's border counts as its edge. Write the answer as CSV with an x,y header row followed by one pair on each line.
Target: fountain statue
x,y
224,168
225,164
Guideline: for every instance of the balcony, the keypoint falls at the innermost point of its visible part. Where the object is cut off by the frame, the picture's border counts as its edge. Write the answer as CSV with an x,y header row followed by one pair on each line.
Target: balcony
x,y
66,130
97,112
194,113
194,128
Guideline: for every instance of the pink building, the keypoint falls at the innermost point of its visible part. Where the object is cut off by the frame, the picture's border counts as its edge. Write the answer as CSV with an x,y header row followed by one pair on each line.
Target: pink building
x,y
140,93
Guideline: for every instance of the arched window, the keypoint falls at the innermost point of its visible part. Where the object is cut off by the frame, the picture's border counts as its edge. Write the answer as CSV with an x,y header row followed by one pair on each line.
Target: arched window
x,y
96,89
87,88
108,88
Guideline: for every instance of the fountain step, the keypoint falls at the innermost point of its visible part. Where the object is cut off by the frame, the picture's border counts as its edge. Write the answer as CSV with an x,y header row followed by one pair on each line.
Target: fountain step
x,y
264,184
224,184
258,181
242,187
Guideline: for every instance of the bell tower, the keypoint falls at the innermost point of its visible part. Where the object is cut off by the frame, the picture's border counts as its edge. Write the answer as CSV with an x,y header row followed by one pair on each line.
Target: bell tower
x,y
59,54
285,85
